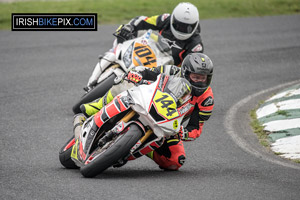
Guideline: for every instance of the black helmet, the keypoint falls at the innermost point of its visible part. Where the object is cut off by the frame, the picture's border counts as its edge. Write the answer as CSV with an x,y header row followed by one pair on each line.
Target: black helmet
x,y
197,64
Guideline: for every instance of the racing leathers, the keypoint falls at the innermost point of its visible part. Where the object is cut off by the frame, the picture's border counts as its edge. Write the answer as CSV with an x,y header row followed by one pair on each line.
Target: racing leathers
x,y
161,23
170,155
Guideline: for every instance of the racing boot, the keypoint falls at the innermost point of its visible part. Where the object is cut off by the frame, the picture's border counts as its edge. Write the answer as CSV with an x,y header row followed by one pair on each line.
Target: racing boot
x,y
77,124
92,108
170,156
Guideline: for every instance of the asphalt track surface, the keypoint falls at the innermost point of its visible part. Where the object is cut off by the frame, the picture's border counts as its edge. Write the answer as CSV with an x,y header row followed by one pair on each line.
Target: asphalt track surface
x,y
42,75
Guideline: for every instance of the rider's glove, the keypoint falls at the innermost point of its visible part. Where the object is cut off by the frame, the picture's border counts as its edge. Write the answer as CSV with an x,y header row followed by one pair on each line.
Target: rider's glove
x,y
125,32
135,77
184,134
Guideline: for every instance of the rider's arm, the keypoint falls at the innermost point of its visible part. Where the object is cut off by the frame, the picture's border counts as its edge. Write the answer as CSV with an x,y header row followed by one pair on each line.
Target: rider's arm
x,y
144,23
151,74
201,113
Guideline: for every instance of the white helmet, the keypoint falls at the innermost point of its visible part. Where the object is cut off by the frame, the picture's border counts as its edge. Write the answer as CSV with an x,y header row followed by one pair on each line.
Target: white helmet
x,y
184,20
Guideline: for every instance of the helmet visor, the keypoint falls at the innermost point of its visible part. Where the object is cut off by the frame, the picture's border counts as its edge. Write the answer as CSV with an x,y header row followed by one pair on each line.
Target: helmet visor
x,y
183,27
200,81
198,78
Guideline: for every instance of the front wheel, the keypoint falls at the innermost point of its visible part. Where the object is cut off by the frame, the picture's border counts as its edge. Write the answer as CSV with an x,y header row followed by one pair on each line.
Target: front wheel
x,y
65,155
114,150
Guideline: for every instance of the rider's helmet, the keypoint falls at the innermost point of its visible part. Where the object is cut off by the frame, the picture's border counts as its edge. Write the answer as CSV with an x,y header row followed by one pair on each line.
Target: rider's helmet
x,y
197,68
184,21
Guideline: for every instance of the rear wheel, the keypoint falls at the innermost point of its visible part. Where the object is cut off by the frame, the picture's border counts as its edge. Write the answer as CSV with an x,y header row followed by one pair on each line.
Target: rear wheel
x,y
97,92
65,155
118,148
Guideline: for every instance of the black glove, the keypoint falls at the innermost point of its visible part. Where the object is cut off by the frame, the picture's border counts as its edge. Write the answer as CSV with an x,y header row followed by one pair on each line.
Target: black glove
x,y
125,32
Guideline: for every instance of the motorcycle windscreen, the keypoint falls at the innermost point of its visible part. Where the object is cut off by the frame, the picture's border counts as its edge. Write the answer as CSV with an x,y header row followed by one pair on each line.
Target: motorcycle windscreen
x,y
180,89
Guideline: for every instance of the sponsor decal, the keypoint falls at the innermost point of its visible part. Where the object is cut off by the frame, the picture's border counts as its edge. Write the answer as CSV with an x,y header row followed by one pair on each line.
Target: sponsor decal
x,y
185,108
148,35
164,17
175,124
209,101
170,43
53,22
197,48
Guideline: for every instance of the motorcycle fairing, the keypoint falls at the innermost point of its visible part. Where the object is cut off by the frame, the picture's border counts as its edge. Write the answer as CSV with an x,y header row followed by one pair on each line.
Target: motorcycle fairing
x,y
147,50
143,96
143,55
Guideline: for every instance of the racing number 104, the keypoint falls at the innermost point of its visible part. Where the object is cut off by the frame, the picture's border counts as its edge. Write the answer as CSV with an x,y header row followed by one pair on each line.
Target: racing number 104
x,y
142,51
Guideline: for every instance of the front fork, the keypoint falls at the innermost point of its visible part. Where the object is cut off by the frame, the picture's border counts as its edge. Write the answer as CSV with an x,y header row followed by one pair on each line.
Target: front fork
x,y
112,133
130,115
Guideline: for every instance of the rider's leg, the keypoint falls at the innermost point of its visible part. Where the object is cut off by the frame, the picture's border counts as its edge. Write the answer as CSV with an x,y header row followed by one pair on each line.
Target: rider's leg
x,y
170,156
92,108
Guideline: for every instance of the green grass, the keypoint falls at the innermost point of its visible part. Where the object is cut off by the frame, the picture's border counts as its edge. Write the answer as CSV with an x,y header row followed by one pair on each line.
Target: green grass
x,y
259,129
120,11
283,112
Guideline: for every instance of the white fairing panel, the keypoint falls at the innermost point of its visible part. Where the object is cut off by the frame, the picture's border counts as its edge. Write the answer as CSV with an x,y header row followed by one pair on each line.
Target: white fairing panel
x,y
142,96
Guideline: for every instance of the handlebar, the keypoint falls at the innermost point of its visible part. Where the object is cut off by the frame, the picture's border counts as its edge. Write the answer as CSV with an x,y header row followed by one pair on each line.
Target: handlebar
x,y
142,82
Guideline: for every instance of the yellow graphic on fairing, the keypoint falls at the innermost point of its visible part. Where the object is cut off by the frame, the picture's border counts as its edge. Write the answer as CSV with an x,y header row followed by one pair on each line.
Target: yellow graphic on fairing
x,y
165,105
175,124
74,150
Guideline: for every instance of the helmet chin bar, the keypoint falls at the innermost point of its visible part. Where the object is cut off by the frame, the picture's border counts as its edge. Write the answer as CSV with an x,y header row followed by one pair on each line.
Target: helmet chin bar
x,y
197,92
180,36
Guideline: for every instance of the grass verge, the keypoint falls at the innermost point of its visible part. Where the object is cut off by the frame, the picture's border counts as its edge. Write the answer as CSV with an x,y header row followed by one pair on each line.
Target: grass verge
x,y
120,11
258,129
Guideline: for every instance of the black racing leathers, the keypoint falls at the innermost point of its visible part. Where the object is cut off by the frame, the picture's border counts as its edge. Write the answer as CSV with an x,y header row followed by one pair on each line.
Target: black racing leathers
x,y
161,23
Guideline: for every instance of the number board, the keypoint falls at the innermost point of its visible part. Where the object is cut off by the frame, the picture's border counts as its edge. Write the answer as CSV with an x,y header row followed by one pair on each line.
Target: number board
x,y
145,55
165,105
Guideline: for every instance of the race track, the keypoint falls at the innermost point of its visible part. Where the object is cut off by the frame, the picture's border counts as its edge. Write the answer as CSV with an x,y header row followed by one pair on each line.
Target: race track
x,y
42,76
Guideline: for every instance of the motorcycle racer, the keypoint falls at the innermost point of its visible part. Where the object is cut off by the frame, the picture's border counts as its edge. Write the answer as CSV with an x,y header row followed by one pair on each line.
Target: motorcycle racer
x,y
181,30
197,68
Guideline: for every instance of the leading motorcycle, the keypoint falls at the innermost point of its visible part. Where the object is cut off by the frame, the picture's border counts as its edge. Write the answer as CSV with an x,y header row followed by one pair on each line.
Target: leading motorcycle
x,y
135,123
150,49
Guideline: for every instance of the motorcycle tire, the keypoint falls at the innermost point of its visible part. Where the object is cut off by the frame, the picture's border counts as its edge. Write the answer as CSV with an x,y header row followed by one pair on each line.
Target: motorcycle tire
x,y
65,155
97,92
118,149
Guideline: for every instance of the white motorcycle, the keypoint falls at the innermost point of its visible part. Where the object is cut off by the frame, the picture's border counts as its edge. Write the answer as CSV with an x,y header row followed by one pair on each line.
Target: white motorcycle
x,y
149,50
136,122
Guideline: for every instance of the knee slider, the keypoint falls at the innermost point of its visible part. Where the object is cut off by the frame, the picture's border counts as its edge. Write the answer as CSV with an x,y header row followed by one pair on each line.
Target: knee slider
x,y
181,159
